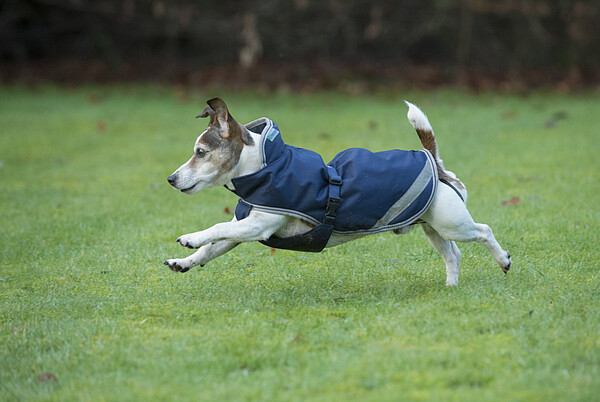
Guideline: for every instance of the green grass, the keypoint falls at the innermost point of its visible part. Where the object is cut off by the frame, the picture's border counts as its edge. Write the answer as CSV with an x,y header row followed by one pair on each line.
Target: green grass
x,y
88,218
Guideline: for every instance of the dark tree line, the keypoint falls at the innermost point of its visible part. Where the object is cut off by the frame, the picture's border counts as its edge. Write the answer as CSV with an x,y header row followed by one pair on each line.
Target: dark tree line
x,y
497,36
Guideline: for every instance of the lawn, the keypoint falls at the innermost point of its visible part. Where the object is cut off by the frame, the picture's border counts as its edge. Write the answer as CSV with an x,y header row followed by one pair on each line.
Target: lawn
x,y
88,311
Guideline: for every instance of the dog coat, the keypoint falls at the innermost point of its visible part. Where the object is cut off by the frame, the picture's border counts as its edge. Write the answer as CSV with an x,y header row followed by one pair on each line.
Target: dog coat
x,y
358,192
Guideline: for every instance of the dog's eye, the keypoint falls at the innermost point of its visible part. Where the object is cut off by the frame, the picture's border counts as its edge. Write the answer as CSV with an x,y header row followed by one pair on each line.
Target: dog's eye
x,y
200,153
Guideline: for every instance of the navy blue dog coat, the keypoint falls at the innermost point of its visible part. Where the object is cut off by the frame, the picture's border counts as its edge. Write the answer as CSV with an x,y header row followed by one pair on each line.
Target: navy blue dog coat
x,y
358,192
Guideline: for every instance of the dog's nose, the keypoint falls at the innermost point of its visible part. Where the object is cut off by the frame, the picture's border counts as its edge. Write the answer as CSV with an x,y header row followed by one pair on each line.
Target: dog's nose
x,y
172,179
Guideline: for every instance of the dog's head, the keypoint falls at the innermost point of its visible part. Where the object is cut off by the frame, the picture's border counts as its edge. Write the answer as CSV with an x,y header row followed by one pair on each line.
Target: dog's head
x,y
216,152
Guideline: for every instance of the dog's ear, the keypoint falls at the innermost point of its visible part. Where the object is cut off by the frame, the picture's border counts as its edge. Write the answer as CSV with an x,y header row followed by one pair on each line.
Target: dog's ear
x,y
208,112
217,110
230,129
222,115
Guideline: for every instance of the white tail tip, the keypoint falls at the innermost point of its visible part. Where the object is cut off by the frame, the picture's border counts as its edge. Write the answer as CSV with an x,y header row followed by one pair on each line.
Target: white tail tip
x,y
417,118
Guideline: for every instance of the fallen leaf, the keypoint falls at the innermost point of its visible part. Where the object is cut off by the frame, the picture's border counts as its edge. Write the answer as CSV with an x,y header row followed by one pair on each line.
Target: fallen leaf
x,y
47,377
341,298
512,201
560,115
101,125
298,338
556,117
227,210
509,114
528,179
92,99
273,251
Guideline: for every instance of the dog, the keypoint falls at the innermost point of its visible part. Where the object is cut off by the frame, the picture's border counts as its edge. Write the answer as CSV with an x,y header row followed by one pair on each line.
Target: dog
x,y
290,199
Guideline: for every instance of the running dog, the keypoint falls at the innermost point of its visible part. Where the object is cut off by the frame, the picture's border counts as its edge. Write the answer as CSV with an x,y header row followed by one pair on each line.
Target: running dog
x,y
291,199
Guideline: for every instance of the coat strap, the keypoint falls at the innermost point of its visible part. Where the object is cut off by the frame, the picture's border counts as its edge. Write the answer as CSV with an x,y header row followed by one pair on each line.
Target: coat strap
x,y
315,239
333,198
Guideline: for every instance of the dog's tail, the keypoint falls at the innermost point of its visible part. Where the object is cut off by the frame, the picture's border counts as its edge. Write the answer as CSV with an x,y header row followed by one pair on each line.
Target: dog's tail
x,y
421,124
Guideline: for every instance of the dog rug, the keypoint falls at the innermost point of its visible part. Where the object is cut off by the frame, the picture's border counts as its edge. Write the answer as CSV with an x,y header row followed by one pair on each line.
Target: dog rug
x,y
358,192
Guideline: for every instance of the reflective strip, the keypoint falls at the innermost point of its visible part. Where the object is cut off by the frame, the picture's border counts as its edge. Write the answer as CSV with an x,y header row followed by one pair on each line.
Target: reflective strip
x,y
283,211
267,128
418,186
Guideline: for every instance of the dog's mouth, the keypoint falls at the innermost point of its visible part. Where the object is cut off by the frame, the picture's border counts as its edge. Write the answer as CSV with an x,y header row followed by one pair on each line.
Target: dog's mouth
x,y
189,190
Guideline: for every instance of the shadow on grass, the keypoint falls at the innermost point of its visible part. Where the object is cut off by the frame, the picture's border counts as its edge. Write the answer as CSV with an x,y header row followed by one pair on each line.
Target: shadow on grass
x,y
304,281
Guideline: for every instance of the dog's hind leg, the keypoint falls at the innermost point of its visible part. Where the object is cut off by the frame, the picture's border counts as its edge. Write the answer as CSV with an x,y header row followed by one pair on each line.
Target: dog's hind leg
x,y
201,257
449,251
449,217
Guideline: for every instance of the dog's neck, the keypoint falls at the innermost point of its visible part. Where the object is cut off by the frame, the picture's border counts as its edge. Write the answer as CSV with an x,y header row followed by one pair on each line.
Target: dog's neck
x,y
249,162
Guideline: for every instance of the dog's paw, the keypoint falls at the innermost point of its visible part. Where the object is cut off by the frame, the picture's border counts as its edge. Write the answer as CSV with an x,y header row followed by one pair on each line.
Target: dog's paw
x,y
508,264
452,282
191,240
177,265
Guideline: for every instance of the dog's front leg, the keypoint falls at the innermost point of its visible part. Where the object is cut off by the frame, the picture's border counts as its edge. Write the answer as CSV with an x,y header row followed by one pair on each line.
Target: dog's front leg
x,y
257,226
201,257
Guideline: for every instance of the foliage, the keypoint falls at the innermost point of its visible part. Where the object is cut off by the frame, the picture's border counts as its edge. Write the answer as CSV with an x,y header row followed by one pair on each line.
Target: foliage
x,y
88,311
501,37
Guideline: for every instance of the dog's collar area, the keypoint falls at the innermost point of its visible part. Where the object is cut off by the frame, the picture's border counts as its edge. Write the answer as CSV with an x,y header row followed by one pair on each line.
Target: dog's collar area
x,y
258,129
271,143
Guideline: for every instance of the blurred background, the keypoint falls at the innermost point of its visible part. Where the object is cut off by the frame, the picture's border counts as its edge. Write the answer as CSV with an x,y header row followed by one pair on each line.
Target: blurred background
x,y
307,44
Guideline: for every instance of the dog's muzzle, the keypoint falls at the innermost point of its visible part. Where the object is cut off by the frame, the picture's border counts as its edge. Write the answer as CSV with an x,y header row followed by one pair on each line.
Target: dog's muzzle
x,y
173,182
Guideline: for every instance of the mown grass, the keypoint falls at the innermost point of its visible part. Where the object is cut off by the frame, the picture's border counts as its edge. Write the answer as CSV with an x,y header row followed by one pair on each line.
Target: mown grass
x,y
88,218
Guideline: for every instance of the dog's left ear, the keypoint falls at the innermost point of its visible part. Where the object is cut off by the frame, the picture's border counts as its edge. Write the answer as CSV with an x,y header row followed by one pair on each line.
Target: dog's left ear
x,y
208,112
230,129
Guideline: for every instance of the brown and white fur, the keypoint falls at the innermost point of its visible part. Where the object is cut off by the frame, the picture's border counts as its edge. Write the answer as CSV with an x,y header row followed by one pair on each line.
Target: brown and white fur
x,y
226,149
